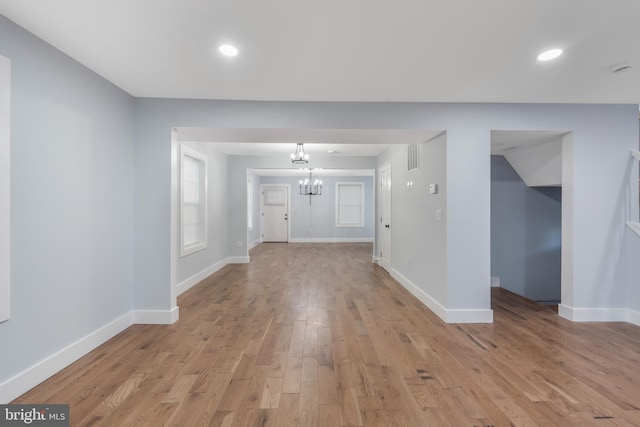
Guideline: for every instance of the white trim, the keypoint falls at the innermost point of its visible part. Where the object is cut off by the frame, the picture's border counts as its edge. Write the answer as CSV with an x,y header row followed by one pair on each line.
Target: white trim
x,y
155,317
600,314
495,282
238,260
5,189
174,250
424,298
254,244
384,262
250,202
635,226
34,375
633,316
475,315
200,158
447,315
198,277
331,240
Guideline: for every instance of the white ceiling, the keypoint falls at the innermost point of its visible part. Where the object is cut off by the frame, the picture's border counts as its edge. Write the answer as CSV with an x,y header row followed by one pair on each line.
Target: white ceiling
x,y
317,142
503,141
313,150
350,50
302,172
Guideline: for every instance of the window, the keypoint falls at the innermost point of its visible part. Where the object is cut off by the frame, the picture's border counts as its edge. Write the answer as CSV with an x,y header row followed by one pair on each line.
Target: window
x,y
350,204
250,203
193,201
4,189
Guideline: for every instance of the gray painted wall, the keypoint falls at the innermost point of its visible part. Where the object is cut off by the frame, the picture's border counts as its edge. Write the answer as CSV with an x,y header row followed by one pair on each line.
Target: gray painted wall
x,y
71,201
238,166
525,234
254,235
631,245
217,216
318,220
602,136
419,241
76,183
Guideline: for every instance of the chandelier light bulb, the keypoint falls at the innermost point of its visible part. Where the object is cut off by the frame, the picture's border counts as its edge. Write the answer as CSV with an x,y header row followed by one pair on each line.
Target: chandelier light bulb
x,y
299,157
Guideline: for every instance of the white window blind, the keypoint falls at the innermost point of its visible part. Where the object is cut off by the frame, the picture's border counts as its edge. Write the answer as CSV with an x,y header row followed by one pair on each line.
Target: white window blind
x,y
349,204
193,203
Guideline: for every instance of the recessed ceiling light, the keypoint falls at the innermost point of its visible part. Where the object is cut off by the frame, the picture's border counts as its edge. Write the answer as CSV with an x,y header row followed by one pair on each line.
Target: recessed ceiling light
x,y
549,54
228,50
332,152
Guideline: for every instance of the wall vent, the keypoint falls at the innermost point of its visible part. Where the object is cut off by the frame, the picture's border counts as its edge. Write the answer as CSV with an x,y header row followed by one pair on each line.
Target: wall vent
x,y
413,157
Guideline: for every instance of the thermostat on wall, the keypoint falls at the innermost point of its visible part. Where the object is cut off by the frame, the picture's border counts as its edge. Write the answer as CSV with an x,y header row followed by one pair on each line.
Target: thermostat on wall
x,y
433,188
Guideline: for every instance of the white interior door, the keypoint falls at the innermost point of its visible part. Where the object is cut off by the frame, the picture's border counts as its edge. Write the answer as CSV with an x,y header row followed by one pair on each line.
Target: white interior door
x,y
384,257
275,212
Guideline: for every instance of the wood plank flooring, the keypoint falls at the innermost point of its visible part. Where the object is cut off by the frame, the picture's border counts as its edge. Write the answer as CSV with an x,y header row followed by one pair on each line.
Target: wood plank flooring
x,y
317,335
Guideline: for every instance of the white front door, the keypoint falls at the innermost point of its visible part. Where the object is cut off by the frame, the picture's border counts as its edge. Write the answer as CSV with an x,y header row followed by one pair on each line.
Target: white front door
x,y
384,256
275,211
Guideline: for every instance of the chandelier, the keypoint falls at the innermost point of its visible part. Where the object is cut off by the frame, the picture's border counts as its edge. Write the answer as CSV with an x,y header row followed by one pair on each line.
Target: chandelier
x,y
308,187
299,157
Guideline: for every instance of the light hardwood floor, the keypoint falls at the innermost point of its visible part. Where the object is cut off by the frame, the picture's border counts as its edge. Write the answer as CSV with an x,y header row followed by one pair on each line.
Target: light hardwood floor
x,y
317,335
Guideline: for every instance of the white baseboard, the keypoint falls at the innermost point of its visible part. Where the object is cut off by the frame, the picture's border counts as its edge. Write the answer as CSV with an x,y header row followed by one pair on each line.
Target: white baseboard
x,y
477,315
198,277
447,315
238,260
254,244
593,314
633,316
29,378
424,298
24,381
155,317
331,240
495,282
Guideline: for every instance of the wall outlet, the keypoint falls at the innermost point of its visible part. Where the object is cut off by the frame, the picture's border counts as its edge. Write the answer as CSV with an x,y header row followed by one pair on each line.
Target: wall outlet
x,y
433,188
239,243
438,214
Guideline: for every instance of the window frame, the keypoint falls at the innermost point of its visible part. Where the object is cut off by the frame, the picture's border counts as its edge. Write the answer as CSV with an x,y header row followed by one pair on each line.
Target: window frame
x,y
362,204
250,203
201,243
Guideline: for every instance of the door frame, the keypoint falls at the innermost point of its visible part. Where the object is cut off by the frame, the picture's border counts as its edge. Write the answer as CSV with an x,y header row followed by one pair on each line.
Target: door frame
x,y
379,217
288,187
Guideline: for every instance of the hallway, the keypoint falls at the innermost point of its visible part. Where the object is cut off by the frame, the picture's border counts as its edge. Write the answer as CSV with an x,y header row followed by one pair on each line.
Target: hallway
x,y
317,335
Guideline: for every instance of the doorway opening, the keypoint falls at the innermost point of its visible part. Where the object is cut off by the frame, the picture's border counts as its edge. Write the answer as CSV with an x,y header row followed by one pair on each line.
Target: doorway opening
x,y
344,212
526,213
